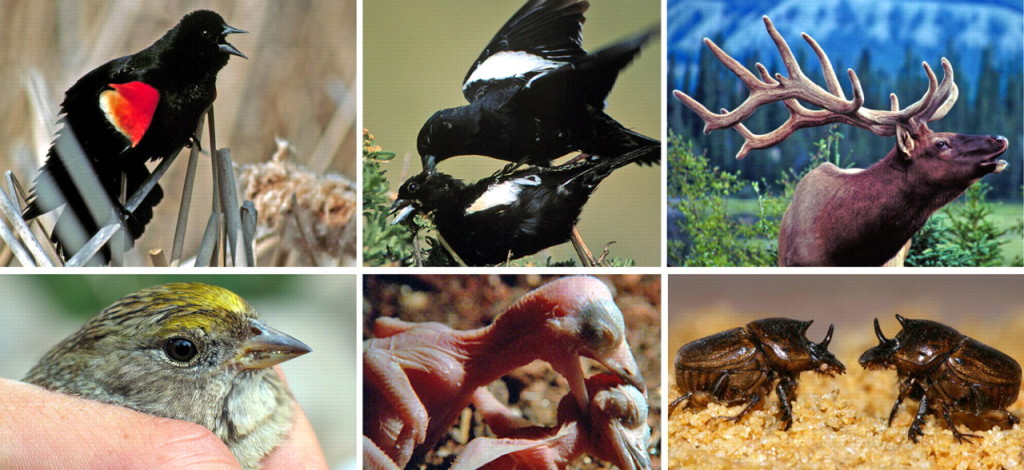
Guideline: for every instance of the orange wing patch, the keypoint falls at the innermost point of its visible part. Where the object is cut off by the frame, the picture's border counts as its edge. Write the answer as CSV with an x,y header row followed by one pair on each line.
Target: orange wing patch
x,y
130,107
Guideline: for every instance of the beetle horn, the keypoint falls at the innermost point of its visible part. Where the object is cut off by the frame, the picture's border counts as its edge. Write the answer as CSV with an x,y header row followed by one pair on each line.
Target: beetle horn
x,y
903,321
878,332
828,337
807,325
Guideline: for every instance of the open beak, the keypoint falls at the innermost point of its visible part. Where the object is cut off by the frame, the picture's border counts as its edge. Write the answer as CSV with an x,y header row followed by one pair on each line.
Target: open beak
x,y
404,208
621,363
226,46
268,347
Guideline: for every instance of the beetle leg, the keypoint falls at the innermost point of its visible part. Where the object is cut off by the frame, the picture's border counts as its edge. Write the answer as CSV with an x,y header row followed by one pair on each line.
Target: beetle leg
x,y
960,437
905,387
1011,419
755,400
672,406
721,383
915,426
786,390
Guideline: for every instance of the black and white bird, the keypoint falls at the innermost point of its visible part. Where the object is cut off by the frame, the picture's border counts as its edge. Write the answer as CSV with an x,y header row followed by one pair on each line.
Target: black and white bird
x,y
535,95
507,215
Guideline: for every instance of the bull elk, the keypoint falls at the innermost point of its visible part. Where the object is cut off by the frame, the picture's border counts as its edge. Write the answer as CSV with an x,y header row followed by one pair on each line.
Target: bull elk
x,y
858,217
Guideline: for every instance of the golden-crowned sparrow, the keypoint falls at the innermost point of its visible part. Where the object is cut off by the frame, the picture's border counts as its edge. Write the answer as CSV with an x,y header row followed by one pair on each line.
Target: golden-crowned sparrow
x,y
186,351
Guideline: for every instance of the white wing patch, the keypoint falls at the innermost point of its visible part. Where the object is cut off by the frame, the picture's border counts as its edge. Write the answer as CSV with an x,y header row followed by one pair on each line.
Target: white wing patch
x,y
510,64
502,194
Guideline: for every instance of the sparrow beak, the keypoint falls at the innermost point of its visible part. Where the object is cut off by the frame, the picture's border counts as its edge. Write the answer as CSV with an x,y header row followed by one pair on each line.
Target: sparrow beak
x,y
405,208
268,347
226,46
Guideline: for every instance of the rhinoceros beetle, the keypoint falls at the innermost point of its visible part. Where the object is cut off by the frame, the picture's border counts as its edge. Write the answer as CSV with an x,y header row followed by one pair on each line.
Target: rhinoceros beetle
x,y
947,373
742,364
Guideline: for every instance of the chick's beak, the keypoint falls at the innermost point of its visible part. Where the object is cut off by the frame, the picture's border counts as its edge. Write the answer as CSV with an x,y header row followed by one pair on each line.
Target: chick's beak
x,y
404,208
622,363
268,347
226,46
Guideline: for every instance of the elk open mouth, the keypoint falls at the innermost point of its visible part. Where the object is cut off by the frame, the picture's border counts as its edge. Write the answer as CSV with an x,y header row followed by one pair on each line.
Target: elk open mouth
x,y
994,164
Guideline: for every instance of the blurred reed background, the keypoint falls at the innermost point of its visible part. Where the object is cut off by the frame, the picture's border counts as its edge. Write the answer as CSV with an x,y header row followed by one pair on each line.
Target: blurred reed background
x,y
298,84
41,310
415,56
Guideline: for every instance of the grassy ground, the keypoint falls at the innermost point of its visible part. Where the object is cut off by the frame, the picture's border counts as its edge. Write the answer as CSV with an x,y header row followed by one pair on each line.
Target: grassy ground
x,y
1005,215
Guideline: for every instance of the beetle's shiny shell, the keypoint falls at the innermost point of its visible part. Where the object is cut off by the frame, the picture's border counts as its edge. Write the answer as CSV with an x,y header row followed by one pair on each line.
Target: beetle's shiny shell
x,y
977,378
731,354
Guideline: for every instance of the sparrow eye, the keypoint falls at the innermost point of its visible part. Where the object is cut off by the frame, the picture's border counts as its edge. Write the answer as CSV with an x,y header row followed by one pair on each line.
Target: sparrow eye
x,y
180,349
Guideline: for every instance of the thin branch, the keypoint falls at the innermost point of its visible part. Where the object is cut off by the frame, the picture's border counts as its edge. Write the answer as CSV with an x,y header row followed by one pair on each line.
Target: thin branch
x,y
157,258
229,202
186,193
248,213
33,246
206,247
302,233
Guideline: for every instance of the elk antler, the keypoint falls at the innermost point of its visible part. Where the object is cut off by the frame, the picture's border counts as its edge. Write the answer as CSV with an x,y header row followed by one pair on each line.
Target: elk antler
x,y
934,105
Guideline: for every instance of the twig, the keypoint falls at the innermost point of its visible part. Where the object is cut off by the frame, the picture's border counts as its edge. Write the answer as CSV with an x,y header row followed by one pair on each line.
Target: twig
x,y
248,213
229,202
157,258
586,257
215,199
17,194
207,246
452,252
416,253
25,233
604,253
15,246
103,235
302,233
186,193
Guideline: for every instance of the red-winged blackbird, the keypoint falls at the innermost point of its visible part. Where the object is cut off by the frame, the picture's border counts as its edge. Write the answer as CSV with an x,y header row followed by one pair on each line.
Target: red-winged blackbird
x,y
507,215
536,95
140,107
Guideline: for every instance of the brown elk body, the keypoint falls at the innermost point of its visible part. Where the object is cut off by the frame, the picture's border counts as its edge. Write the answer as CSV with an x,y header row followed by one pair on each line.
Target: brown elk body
x,y
858,217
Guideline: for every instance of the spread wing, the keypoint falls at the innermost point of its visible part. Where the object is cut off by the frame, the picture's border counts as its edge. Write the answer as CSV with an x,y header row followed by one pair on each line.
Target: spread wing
x,y
542,35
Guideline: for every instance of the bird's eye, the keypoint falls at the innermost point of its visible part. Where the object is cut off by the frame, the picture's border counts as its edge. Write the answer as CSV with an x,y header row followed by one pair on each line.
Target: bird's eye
x,y
180,349
446,124
206,33
413,187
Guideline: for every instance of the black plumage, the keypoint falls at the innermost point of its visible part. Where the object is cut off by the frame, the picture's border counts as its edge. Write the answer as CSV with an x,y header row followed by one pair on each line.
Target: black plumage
x,y
507,215
535,95
128,111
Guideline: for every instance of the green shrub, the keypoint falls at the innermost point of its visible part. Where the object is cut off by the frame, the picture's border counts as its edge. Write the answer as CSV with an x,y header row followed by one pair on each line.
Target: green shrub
x,y
383,244
711,237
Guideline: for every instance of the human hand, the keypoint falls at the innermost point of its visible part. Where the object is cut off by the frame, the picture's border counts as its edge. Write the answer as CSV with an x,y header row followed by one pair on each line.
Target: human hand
x,y
44,429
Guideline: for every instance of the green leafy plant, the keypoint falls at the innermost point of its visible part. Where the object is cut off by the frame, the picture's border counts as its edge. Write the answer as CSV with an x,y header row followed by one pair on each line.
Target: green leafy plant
x,y
962,234
710,235
383,243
